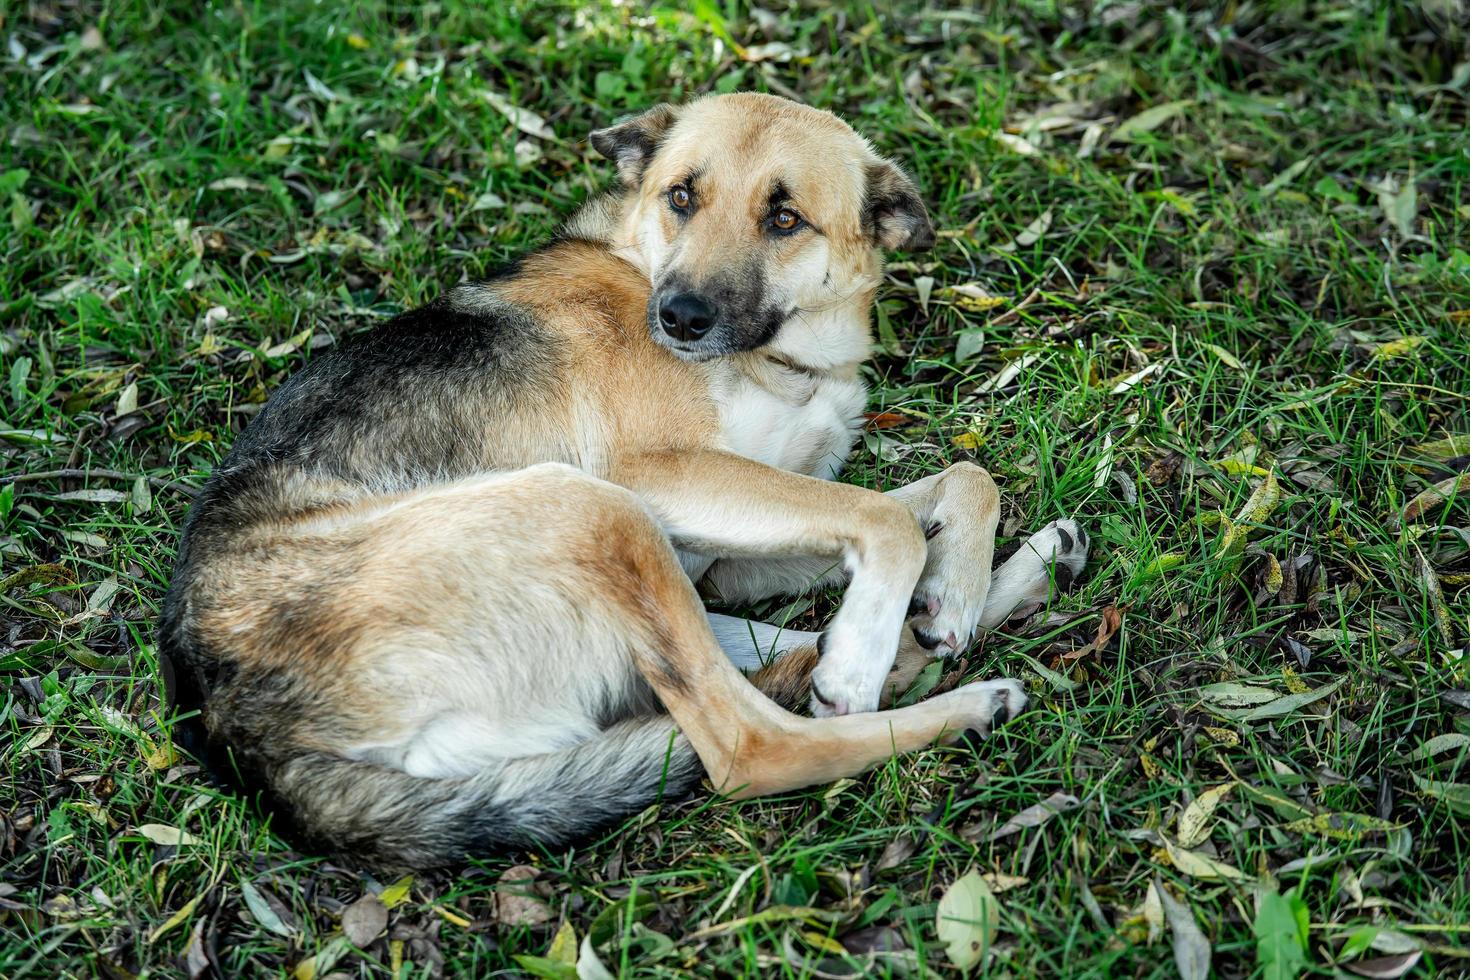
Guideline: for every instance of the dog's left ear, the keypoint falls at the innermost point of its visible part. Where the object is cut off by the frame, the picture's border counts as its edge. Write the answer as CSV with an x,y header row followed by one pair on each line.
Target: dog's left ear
x,y
632,143
893,213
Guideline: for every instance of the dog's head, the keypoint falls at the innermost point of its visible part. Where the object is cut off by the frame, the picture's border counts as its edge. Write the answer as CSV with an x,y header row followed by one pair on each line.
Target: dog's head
x,y
760,222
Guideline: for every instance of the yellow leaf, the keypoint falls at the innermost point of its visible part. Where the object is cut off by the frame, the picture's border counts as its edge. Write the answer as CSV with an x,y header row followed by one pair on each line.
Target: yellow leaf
x,y
1396,348
158,756
395,958
169,836
177,919
563,947
968,919
1151,767
1164,563
1194,822
1294,684
1341,826
966,440
825,943
397,893
198,435
1236,468
1259,507
1444,449
357,41
1229,359
1275,579
1440,493
453,917
1222,736
1198,865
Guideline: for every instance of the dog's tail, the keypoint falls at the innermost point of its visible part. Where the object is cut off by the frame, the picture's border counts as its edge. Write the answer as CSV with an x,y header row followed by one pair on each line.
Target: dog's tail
x,y
392,818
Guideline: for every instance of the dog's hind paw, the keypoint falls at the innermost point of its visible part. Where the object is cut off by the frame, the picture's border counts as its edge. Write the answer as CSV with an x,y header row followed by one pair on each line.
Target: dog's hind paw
x,y
1056,553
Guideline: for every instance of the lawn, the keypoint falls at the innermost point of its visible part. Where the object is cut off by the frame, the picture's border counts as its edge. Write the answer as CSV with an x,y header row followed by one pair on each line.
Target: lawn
x,y
1202,282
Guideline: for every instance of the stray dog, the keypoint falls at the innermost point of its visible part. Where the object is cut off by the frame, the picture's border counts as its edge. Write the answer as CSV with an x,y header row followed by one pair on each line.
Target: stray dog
x,y
440,597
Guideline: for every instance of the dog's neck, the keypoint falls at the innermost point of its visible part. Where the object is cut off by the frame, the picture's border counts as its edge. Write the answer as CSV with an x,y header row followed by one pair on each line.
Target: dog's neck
x,y
809,341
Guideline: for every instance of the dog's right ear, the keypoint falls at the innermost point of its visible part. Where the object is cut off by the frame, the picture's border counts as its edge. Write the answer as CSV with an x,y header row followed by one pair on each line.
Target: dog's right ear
x,y
632,143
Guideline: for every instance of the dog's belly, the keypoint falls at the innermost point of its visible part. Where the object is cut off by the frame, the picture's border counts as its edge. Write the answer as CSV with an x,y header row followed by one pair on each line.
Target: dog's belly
x,y
807,429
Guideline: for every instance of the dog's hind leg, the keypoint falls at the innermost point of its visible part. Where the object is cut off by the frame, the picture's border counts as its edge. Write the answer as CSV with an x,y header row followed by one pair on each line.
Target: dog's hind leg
x,y
1051,557
748,744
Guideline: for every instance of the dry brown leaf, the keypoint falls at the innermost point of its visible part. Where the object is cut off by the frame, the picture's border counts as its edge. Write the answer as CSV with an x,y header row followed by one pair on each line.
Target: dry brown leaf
x,y
364,920
517,901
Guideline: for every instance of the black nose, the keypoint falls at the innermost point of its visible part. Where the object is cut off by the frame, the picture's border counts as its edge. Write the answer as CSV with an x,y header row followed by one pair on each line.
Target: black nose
x,y
686,316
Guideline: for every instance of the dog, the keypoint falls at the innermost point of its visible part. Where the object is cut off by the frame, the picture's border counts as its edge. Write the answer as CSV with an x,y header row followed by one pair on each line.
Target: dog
x,y
443,595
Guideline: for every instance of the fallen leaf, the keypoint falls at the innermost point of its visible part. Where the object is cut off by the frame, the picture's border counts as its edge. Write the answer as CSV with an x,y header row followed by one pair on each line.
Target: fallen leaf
x,y
968,919
169,836
1191,948
563,947
924,287
517,903
397,893
1286,176
1386,967
1227,358
1008,373
1231,695
318,965
1399,204
175,920
1437,745
1285,705
1014,143
196,958
1035,816
523,119
1396,348
1456,796
1437,495
1149,119
1194,822
268,911
1341,826
364,920
1133,379
885,420
1261,504
1282,804
1198,865
1031,234
899,850
1444,450
1002,882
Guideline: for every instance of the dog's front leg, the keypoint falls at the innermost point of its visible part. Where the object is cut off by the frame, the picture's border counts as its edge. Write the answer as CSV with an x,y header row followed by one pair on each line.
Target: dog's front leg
x,y
711,502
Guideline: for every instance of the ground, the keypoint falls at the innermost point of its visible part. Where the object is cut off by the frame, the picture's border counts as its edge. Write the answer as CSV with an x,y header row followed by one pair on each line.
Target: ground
x,y
1202,282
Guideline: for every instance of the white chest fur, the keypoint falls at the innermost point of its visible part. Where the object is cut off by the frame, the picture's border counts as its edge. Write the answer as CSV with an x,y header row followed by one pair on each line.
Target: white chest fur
x,y
791,419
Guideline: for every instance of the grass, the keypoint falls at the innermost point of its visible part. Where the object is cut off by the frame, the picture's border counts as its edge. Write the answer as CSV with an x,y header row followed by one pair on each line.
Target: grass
x,y
1262,208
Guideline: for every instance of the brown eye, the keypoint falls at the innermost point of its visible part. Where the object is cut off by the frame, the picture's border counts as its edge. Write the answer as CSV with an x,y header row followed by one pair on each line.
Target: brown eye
x,y
679,198
785,220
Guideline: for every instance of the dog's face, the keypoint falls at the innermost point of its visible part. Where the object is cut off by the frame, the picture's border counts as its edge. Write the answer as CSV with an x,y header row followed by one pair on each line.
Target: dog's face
x,y
757,219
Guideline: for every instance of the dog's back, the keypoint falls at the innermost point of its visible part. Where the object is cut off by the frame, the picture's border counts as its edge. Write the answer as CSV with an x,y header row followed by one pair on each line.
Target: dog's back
x,y
483,379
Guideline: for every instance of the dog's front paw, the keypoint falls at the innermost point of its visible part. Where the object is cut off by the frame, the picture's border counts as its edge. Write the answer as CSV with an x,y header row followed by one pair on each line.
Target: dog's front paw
x,y
945,615
837,689
991,703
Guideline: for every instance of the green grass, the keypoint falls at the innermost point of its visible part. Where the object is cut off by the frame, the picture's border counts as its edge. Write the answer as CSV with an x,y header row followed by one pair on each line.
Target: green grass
x,y
193,200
